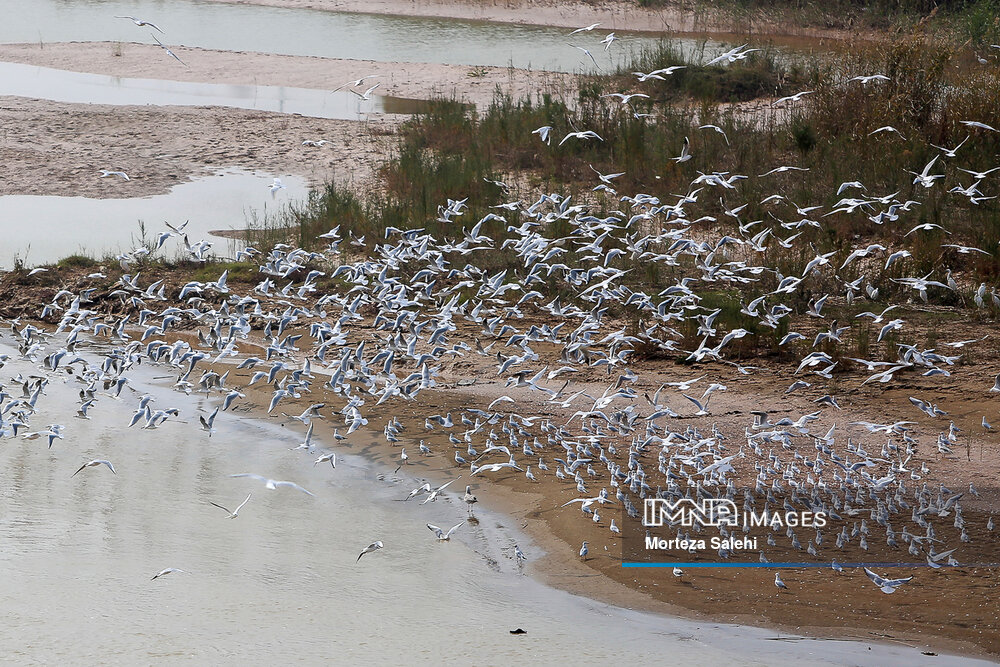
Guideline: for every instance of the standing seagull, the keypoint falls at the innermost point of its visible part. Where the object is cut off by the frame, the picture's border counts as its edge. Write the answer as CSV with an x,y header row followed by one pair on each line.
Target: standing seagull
x,y
469,499
95,462
374,546
778,582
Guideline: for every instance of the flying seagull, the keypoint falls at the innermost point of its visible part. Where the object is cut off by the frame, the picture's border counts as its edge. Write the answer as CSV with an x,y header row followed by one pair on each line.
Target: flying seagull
x,y
374,546
95,462
272,483
233,513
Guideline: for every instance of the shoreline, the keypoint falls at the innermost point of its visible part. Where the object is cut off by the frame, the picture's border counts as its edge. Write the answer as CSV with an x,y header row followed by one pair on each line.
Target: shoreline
x,y
474,85
932,613
621,15
536,509
58,148
557,568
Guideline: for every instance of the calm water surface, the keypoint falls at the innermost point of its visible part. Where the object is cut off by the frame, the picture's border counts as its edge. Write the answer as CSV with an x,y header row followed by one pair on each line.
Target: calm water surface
x,y
81,88
44,229
302,32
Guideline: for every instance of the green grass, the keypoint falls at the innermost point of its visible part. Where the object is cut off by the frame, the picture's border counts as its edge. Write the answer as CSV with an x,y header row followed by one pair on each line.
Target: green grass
x,y
77,262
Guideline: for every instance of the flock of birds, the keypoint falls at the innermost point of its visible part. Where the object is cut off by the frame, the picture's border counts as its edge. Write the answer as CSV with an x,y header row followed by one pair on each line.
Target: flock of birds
x,y
374,325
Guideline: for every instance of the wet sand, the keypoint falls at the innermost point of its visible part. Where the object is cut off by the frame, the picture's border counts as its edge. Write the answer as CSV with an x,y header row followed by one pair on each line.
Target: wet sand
x,y
475,85
53,148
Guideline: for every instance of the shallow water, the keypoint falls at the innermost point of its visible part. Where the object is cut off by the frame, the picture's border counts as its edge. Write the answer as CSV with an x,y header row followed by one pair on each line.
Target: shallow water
x,y
43,229
81,88
303,32
282,581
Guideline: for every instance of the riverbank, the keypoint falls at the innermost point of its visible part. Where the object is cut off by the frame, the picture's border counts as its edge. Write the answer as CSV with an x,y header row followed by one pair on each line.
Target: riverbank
x,y
73,542
474,85
611,14
54,148
951,609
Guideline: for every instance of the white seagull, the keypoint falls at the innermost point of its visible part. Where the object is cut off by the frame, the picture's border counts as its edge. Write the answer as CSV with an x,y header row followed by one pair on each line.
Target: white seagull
x,y
441,535
95,462
232,513
374,546
272,483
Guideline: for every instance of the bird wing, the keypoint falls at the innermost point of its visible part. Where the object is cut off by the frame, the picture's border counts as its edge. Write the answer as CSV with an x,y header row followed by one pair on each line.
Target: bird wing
x,y
241,504
292,485
224,508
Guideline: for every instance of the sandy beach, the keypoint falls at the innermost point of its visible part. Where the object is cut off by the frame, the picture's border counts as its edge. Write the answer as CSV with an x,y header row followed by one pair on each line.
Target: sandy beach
x,y
54,148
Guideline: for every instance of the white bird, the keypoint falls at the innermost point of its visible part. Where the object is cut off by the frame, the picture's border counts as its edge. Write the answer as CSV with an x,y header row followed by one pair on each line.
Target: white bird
x,y
275,186
543,133
469,499
95,462
886,128
868,79
586,28
685,152
436,492
976,123
355,83
888,586
718,129
120,174
367,94
589,54
169,570
169,52
233,513
374,546
272,483
585,134
330,456
403,458
441,535
209,424
778,582
140,23
792,98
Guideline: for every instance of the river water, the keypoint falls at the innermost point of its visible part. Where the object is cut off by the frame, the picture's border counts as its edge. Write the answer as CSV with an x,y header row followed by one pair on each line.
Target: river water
x,y
303,32
83,88
282,583
97,227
